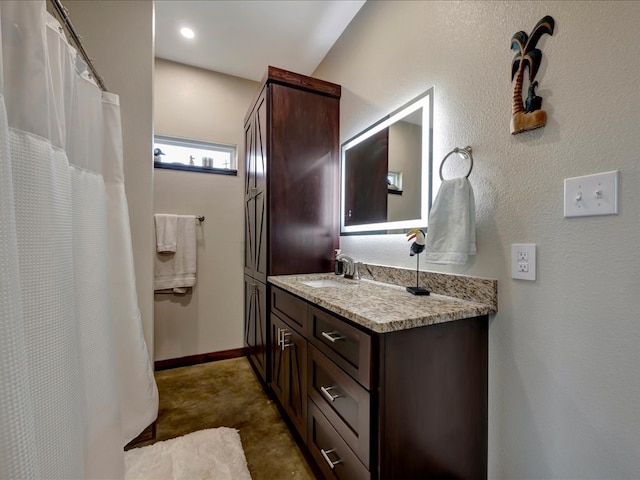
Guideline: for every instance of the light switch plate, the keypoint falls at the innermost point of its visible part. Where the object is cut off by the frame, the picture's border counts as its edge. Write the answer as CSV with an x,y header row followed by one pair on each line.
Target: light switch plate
x,y
591,195
523,261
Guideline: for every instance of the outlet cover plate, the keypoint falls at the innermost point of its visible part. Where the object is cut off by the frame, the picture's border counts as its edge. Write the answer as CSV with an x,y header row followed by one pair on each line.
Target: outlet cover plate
x,y
523,261
591,195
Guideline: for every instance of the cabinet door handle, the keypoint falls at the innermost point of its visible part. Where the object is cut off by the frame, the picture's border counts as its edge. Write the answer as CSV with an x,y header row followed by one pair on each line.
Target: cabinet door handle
x,y
333,337
325,455
284,343
279,333
327,393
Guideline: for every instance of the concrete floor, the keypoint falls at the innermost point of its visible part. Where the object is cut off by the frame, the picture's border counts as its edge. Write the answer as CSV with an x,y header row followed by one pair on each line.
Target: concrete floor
x,y
226,393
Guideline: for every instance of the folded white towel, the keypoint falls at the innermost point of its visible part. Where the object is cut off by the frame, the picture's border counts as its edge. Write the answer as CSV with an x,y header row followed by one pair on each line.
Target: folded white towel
x,y
166,232
451,235
178,270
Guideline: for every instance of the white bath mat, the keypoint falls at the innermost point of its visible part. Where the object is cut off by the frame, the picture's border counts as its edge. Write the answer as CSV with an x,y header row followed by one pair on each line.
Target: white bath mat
x,y
212,454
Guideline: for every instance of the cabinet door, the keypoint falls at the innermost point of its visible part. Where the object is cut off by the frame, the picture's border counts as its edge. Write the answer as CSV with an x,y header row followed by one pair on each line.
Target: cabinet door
x,y
255,254
303,173
260,197
289,372
278,364
256,325
296,401
249,198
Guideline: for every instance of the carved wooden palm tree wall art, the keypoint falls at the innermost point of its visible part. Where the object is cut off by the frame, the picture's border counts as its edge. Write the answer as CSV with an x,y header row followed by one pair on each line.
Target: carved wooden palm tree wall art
x,y
528,115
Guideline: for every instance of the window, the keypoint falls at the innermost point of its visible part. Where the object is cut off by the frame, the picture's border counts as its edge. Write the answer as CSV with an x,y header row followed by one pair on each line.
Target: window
x,y
394,182
194,155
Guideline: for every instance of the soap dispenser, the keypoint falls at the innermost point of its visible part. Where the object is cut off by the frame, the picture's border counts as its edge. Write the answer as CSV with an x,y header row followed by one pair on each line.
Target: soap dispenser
x,y
338,266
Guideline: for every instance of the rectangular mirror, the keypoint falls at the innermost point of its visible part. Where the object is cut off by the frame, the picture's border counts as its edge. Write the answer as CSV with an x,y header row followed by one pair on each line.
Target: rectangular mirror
x,y
386,172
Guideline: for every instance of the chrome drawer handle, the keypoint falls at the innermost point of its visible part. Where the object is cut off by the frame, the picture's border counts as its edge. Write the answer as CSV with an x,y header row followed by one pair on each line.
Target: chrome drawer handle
x,y
325,455
327,393
285,334
333,337
279,332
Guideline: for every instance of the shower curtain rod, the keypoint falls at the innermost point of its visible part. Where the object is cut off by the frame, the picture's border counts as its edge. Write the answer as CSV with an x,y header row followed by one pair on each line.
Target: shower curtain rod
x,y
63,13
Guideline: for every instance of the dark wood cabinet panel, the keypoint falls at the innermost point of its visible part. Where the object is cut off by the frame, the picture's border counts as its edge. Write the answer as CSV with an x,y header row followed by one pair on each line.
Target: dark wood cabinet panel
x,y
255,324
331,453
303,181
433,402
255,193
278,382
289,372
344,402
347,346
290,308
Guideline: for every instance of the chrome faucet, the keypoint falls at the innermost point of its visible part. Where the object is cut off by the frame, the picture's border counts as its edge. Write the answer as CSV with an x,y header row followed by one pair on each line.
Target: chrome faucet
x,y
350,266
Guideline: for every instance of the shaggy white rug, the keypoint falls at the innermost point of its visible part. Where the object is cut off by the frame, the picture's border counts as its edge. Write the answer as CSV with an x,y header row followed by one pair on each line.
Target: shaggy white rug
x,y
213,454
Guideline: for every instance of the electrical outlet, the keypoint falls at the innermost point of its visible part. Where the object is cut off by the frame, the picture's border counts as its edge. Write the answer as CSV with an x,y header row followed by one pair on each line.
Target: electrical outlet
x,y
523,261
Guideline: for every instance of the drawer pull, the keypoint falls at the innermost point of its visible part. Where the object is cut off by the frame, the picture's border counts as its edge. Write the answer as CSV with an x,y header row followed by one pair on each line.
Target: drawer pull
x,y
284,343
327,393
333,337
279,332
325,455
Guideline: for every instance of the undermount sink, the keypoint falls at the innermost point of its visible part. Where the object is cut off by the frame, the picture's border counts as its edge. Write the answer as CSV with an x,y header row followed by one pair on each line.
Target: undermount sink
x,y
324,283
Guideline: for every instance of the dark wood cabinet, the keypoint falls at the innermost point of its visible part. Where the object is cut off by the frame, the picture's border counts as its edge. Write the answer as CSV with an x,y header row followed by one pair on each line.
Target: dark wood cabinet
x,y
255,254
432,411
289,372
291,192
409,404
255,323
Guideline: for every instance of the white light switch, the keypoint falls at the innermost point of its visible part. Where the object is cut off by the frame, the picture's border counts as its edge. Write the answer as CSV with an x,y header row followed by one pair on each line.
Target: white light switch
x,y
591,195
523,261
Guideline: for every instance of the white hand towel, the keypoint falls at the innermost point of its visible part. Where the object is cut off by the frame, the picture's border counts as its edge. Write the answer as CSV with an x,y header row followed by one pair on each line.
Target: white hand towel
x,y
166,232
178,271
451,235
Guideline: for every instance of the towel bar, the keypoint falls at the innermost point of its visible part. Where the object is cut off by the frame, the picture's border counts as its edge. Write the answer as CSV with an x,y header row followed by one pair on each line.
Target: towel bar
x,y
465,152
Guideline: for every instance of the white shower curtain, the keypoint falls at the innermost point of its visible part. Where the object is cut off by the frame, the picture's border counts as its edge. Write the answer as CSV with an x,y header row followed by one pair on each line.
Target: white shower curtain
x,y
76,382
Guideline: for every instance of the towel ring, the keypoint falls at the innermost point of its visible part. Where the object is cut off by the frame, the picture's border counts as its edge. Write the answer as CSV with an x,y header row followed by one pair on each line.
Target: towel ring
x,y
465,152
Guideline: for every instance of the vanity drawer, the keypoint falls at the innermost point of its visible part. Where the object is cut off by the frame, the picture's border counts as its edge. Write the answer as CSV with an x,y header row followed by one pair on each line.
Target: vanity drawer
x,y
345,345
331,453
343,401
292,308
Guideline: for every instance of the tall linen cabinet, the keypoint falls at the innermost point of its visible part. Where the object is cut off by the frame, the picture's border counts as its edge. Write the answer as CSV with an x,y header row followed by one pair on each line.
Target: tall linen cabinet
x,y
291,192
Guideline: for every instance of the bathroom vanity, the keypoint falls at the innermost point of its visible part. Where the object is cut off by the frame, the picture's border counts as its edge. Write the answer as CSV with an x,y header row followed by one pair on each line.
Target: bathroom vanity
x,y
381,384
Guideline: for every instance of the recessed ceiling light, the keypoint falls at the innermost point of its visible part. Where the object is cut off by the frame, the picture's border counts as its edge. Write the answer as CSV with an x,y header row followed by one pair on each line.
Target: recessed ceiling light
x,y
187,32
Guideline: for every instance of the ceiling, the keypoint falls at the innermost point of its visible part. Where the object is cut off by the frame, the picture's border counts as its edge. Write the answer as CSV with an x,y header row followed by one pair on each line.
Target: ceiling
x,y
243,37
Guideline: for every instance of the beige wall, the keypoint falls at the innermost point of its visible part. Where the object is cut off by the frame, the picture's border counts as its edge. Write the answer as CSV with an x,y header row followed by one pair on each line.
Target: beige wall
x,y
563,350
119,37
203,105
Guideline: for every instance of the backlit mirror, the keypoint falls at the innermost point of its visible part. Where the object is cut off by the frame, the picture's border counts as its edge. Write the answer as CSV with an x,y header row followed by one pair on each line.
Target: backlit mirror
x,y
386,172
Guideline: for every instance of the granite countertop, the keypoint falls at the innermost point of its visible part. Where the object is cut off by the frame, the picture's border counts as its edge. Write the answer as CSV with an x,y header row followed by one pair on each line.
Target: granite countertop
x,y
381,307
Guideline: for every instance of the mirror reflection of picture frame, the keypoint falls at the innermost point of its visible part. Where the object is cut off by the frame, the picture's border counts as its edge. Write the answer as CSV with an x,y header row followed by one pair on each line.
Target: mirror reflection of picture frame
x,y
363,209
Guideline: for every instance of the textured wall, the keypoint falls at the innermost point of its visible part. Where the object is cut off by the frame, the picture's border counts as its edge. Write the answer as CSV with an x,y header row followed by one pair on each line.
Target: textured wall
x,y
564,355
118,35
203,105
